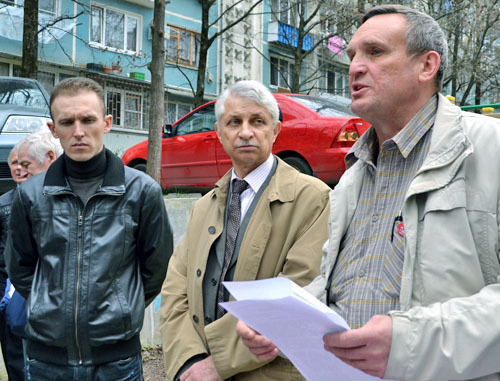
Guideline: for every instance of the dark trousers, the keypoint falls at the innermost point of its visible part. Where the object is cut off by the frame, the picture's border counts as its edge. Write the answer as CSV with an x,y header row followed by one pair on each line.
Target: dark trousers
x,y
122,370
12,351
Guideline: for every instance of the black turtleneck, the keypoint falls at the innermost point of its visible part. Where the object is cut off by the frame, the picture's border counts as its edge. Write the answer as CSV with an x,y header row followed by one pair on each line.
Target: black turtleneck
x,y
86,176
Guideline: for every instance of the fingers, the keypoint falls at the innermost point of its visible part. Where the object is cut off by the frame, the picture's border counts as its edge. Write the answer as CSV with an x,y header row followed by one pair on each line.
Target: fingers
x,y
244,330
263,348
348,354
366,348
346,339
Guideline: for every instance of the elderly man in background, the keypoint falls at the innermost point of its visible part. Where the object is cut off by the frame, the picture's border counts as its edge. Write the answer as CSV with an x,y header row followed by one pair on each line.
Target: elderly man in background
x,y
30,156
412,261
263,219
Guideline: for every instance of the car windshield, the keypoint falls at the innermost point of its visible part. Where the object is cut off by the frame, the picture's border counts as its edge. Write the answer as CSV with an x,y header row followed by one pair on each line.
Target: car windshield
x,y
20,93
322,106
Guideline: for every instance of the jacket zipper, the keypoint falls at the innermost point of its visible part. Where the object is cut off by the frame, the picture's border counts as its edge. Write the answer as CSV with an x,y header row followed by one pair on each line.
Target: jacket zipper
x,y
80,223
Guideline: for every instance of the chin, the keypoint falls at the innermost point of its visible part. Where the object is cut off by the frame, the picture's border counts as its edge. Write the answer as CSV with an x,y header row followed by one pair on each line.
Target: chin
x,y
79,157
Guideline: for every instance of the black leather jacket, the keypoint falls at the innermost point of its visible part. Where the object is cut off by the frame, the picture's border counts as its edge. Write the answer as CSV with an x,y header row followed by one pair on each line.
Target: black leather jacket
x,y
5,205
88,271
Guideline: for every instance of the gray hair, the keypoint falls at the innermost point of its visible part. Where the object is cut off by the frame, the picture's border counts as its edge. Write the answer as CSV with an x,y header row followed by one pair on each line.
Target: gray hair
x,y
41,142
424,34
251,90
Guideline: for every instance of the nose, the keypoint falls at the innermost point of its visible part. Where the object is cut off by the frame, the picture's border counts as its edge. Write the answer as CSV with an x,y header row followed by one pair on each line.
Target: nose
x,y
246,132
356,67
23,173
78,130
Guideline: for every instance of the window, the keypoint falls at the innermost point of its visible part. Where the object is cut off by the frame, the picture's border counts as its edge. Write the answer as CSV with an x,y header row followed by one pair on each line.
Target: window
x,y
285,11
45,7
4,69
48,7
182,46
126,107
47,80
175,111
334,81
201,121
281,73
114,29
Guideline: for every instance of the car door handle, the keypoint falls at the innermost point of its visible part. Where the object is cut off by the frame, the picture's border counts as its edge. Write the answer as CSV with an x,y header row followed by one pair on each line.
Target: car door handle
x,y
208,138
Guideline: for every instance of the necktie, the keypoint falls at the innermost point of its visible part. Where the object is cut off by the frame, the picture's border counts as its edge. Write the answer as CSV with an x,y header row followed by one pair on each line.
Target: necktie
x,y
232,227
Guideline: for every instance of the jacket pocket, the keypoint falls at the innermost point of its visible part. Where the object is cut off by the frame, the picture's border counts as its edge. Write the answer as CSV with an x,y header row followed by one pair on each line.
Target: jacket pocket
x,y
453,235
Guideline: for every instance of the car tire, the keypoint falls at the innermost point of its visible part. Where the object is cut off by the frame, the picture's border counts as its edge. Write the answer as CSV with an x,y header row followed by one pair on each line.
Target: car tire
x,y
299,164
140,167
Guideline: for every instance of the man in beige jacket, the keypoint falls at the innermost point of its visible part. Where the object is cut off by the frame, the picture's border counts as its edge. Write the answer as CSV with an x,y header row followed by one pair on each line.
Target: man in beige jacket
x,y
283,224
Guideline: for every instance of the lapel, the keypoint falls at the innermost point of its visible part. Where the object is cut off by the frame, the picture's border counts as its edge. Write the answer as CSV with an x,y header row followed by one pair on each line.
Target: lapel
x,y
281,189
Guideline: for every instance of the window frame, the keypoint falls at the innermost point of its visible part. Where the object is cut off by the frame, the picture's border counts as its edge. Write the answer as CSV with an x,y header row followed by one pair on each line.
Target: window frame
x,y
281,82
101,44
120,111
193,52
20,3
338,75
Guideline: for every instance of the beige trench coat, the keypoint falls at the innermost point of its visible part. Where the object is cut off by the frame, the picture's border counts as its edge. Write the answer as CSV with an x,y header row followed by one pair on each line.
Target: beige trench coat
x,y
283,238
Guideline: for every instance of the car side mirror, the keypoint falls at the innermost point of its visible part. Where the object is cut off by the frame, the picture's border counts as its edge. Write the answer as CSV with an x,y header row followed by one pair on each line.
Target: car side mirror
x,y
167,130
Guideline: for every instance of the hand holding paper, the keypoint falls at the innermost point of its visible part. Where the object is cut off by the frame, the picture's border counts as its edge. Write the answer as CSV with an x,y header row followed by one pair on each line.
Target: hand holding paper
x,y
296,322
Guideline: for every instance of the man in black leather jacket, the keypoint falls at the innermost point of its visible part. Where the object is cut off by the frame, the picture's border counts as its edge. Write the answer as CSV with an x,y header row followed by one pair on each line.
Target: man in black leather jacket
x,y
89,244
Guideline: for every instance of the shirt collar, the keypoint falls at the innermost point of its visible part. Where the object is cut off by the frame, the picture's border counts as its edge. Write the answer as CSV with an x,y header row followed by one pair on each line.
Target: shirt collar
x,y
256,178
410,135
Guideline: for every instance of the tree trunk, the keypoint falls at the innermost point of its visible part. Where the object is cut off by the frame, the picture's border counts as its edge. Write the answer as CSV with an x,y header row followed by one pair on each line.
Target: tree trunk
x,y
157,99
204,46
477,97
29,63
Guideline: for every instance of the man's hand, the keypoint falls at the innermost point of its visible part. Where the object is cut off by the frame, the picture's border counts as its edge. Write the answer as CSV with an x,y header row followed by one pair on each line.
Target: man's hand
x,y
203,370
263,348
366,348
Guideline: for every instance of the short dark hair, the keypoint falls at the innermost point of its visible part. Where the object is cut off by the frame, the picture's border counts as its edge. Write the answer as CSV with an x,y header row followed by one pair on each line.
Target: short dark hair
x,y
76,85
423,34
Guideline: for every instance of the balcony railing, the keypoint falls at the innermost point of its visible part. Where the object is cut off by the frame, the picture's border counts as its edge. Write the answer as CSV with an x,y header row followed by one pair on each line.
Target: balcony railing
x,y
288,35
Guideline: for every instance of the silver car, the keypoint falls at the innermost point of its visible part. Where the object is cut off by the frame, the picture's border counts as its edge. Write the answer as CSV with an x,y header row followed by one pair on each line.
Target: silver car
x,y
24,108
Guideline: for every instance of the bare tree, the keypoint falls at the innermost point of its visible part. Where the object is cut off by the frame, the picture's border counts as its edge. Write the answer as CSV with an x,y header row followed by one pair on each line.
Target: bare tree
x,y
313,24
157,107
208,36
473,32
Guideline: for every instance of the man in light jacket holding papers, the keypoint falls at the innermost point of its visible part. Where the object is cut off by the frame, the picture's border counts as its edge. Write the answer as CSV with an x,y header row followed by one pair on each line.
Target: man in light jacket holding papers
x,y
412,259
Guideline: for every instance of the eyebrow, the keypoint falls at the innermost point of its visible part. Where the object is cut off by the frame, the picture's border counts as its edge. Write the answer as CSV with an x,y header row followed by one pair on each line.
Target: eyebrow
x,y
366,44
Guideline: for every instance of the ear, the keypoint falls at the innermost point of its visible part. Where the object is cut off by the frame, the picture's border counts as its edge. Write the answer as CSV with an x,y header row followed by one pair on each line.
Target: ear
x,y
430,65
52,156
217,131
108,121
52,129
276,131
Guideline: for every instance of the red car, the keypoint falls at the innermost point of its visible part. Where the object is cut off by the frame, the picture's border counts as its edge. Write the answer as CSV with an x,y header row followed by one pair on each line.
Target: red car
x,y
315,137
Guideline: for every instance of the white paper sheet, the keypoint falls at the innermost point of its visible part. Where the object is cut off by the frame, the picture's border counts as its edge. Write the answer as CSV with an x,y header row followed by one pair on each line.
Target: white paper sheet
x,y
296,322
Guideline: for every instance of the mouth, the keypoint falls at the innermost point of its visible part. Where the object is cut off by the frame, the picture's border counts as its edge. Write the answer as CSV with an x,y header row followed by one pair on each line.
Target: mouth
x,y
357,88
246,145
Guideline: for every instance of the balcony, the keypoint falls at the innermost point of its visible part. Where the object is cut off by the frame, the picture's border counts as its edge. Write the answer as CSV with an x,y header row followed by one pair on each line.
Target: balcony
x,y
288,35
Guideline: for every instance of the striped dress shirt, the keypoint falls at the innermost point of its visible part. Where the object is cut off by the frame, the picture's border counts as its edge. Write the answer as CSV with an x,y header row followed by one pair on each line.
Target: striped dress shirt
x,y
367,276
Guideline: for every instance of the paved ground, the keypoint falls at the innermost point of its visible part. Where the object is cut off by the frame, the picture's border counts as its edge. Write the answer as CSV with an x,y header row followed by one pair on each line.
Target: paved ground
x,y
3,372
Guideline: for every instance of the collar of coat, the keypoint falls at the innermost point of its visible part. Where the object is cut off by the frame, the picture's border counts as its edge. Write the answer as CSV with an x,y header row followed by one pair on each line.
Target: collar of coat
x,y
114,176
281,187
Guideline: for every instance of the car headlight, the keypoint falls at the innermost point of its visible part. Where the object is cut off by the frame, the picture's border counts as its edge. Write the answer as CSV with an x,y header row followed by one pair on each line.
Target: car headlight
x,y
24,124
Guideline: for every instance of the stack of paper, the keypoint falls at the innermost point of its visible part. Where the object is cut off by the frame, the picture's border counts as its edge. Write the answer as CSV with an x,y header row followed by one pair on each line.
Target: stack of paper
x,y
296,322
